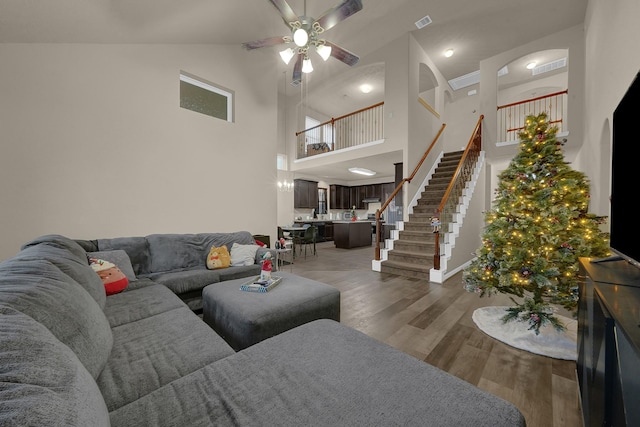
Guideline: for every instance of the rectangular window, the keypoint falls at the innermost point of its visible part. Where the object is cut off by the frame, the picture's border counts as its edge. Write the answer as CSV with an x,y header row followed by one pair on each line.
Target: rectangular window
x,y
204,97
281,162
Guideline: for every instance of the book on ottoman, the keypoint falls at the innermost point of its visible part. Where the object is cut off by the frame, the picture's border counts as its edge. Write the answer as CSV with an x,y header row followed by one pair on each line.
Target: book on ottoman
x,y
258,285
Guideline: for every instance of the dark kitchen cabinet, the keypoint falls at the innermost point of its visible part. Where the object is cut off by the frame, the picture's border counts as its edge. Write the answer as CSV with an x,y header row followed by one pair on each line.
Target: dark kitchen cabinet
x,y
343,197
328,231
373,191
305,194
340,197
357,195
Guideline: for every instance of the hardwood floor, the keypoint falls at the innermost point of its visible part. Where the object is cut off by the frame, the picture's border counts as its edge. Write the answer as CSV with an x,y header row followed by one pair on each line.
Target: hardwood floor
x,y
433,323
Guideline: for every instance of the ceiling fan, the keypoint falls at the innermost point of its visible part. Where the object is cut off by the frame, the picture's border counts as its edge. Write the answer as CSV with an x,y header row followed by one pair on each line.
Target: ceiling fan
x,y
306,34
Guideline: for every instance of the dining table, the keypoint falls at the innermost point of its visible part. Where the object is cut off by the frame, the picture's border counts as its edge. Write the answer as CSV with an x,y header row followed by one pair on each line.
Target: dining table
x,y
294,231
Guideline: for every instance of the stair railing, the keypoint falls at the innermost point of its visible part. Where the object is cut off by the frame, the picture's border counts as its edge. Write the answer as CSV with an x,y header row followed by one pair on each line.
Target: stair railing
x,y
356,128
463,172
511,117
398,188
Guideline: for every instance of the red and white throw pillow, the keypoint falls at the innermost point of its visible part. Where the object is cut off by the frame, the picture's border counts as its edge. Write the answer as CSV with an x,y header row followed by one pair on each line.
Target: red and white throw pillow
x,y
113,279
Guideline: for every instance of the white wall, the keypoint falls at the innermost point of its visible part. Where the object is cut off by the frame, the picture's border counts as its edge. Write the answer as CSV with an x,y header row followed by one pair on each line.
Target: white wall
x,y
532,89
571,39
462,117
612,61
94,143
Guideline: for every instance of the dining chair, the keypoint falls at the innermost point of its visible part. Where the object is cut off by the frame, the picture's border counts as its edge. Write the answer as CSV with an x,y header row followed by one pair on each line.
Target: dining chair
x,y
308,238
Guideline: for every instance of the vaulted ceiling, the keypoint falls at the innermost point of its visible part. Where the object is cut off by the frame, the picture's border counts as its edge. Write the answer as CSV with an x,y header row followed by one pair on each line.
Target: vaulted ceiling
x,y
474,29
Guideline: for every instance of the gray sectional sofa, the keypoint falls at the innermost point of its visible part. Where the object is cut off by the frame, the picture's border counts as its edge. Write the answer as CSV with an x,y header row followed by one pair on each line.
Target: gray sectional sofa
x,y
72,356
178,261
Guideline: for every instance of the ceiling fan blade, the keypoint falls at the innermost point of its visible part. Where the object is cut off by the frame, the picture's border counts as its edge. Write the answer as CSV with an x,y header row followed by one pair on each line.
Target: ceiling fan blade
x,y
296,77
271,41
342,11
342,54
288,15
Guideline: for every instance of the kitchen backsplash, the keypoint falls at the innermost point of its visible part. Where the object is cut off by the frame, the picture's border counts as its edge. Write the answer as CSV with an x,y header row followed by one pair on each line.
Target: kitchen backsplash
x,y
335,214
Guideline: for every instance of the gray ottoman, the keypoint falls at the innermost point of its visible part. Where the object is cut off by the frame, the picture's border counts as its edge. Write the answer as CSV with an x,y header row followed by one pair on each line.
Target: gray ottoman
x,y
246,318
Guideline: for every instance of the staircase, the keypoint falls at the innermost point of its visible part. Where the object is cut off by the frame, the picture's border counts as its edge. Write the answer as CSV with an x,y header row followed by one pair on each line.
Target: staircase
x,y
412,253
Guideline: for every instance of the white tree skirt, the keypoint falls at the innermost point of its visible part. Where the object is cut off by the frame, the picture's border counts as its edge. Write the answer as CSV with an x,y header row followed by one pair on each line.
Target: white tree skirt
x,y
551,343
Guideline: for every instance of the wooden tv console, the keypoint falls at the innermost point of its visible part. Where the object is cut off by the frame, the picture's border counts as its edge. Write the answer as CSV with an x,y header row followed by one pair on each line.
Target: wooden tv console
x,y
608,365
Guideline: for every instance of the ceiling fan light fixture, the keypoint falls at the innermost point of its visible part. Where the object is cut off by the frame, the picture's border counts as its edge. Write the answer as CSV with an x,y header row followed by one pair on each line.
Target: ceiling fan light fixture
x,y
362,171
287,54
300,37
304,34
306,65
324,51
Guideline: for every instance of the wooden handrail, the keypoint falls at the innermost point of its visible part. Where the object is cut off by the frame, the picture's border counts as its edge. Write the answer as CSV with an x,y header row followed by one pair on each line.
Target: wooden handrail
x,y
526,101
334,119
551,122
476,130
477,134
398,188
426,105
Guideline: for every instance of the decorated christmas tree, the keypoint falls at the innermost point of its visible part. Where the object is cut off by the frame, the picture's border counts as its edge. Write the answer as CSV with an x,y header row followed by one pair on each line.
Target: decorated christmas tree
x,y
537,229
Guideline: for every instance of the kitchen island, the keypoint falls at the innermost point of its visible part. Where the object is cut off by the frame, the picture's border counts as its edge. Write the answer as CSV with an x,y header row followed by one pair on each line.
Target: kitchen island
x,y
352,234
325,228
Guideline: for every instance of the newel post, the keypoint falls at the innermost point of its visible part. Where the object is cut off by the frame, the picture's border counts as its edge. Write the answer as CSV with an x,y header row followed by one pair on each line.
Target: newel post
x,y
378,226
436,256
436,221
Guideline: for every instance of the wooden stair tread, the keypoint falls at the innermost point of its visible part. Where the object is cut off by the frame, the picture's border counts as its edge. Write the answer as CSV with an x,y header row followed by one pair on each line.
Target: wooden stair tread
x,y
407,266
418,232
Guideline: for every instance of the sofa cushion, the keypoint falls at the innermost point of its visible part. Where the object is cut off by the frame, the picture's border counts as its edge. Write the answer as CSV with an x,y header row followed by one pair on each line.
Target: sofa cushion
x,y
136,304
42,382
136,247
120,258
154,351
171,252
39,289
58,241
239,272
319,374
183,281
76,268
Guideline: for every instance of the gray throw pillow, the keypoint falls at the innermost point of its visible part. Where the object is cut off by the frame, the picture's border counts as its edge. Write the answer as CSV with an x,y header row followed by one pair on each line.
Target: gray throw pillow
x,y
118,257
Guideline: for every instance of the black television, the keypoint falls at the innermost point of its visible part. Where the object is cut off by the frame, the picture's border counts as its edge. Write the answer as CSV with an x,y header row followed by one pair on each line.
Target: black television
x,y
624,239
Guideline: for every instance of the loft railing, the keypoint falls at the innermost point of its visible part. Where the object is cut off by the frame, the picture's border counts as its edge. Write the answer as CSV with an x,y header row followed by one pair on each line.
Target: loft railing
x,y
511,117
350,130
398,188
463,172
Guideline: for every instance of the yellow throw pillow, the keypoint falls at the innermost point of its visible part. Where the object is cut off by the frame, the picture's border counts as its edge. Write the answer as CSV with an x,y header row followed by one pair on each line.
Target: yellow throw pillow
x,y
218,258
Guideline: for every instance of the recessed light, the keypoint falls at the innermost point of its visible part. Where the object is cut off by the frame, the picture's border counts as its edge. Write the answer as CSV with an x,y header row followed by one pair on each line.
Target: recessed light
x,y
365,88
531,65
448,53
362,171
